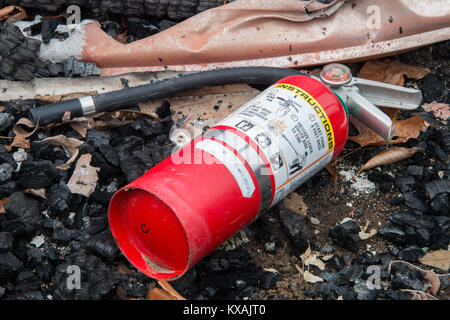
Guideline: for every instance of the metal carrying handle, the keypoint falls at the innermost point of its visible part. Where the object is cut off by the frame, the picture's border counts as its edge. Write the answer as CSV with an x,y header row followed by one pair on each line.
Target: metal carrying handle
x,y
363,96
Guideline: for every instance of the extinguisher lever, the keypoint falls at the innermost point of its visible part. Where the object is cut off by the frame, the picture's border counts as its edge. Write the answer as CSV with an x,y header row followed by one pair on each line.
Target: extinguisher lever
x,y
366,112
387,95
362,97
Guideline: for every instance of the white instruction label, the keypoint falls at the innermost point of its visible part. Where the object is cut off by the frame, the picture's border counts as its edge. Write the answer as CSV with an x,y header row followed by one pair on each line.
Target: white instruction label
x,y
232,162
292,130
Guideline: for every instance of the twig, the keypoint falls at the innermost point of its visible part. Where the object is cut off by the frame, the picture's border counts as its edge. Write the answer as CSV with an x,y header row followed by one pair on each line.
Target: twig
x,y
300,270
284,247
169,145
336,161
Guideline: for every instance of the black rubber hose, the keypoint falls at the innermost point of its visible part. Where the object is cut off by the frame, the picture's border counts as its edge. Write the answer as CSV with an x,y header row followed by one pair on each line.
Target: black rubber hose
x,y
120,99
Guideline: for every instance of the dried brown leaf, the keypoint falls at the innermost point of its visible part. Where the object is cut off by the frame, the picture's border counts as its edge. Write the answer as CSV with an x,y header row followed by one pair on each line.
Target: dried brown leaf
x,y
84,177
166,286
82,125
438,259
332,170
160,294
66,116
366,235
2,203
389,156
397,71
311,278
62,97
403,130
22,135
128,115
433,280
315,261
122,37
440,110
392,72
102,124
306,254
311,258
12,14
36,192
70,145
408,129
295,203
300,270
374,69
123,269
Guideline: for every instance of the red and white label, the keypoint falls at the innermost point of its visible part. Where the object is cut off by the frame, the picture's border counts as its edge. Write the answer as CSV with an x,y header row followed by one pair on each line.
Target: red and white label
x,y
291,129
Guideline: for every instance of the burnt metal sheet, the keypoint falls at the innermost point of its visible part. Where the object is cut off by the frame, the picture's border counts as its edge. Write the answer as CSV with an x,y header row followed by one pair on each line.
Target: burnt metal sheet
x,y
288,33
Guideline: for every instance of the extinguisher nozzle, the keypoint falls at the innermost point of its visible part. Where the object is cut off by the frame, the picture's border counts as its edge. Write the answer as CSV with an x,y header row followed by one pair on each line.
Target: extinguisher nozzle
x,y
149,233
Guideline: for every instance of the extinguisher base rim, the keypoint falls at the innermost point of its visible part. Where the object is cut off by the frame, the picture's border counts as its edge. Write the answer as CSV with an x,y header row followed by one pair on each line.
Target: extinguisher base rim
x,y
133,248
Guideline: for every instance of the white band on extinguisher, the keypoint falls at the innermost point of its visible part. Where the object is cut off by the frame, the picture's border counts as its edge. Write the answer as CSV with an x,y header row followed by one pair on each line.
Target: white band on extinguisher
x,y
232,162
252,158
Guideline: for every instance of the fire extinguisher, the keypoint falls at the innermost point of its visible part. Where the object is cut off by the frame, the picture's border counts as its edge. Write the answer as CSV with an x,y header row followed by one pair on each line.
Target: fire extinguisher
x,y
185,207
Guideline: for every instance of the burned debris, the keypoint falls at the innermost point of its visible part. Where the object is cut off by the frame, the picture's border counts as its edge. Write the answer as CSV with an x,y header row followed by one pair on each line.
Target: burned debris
x,y
19,56
48,231
174,9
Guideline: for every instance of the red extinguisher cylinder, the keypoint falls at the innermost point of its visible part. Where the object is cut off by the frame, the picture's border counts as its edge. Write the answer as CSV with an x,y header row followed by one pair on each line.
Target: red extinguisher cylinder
x,y
183,208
